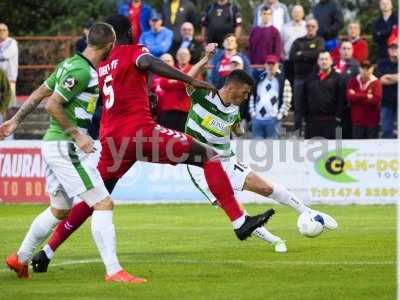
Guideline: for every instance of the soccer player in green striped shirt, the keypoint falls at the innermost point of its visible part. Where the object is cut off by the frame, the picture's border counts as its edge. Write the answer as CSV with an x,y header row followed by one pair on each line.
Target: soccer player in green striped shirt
x,y
72,91
211,120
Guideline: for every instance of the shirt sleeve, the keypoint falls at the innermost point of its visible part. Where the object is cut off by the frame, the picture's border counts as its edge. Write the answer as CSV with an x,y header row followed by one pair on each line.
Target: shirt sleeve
x,y
50,82
138,53
72,83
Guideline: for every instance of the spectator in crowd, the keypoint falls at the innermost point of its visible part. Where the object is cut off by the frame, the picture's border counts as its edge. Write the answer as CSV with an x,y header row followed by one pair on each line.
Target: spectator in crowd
x,y
384,26
158,39
330,19
291,31
221,18
174,102
9,59
364,93
81,44
139,14
264,40
280,14
188,41
221,61
155,79
175,13
347,67
360,45
387,70
303,55
270,101
5,95
322,100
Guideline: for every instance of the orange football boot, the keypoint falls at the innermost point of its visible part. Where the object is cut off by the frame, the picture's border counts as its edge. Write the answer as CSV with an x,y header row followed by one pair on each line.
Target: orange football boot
x,y
14,264
124,276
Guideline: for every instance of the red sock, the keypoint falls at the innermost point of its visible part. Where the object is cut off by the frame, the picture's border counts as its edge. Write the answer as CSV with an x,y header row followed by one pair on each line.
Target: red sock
x,y
78,214
221,187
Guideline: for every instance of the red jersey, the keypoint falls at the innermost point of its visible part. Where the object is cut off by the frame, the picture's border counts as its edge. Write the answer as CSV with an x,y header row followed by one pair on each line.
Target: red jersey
x,y
174,95
124,91
126,118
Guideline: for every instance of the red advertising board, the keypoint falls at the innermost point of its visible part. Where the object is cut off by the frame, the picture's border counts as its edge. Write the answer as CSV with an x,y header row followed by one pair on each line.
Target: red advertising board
x,y
22,175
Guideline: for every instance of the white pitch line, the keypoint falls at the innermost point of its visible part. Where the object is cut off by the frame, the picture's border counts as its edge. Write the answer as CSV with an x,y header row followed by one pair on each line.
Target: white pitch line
x,y
253,263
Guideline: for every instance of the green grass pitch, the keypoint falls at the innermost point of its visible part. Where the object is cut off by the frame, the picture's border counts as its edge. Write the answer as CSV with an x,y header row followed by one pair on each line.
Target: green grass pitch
x,y
190,252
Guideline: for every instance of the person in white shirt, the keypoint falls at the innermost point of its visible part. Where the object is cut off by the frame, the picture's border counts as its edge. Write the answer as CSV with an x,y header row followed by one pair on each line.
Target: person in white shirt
x,y
9,57
293,30
280,13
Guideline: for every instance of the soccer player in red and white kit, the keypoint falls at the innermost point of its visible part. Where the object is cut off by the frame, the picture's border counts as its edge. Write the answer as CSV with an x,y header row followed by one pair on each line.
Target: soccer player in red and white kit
x,y
128,134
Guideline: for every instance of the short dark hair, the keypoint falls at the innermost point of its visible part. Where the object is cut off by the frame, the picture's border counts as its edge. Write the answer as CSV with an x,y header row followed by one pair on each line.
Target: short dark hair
x,y
325,52
366,64
266,8
239,76
100,35
345,40
122,28
230,35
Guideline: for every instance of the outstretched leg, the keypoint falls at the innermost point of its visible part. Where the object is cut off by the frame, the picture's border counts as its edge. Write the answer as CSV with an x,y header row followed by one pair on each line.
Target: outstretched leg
x,y
220,186
255,183
279,193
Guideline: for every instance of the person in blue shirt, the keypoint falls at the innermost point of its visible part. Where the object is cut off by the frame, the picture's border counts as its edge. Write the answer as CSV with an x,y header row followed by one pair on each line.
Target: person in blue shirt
x,y
158,39
138,13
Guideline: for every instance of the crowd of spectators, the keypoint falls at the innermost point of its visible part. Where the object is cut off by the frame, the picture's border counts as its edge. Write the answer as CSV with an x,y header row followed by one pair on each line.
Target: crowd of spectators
x,y
308,61
299,63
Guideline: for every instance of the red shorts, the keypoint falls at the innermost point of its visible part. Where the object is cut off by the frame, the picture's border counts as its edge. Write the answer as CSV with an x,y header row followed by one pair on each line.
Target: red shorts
x,y
152,143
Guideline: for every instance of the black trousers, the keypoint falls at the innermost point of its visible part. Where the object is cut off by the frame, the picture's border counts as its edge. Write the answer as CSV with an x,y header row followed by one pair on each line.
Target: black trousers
x,y
360,132
173,119
320,128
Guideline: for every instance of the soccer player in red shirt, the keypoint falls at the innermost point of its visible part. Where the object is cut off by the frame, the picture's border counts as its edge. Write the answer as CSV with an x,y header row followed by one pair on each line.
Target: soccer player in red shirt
x,y
128,134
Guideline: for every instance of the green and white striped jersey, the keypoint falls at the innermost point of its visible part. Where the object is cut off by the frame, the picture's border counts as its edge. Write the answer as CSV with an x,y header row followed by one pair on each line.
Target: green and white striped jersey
x,y
210,121
75,79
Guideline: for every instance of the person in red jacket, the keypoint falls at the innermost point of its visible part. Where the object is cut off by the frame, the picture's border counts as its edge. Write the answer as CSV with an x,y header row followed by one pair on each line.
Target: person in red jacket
x,y
360,45
364,93
174,102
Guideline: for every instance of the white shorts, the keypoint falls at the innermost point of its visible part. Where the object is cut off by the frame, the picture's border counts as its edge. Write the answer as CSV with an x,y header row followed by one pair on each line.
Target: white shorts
x,y
236,171
70,172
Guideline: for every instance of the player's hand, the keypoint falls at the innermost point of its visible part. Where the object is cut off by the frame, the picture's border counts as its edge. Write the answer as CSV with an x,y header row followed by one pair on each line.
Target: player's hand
x,y
7,128
84,142
199,84
210,49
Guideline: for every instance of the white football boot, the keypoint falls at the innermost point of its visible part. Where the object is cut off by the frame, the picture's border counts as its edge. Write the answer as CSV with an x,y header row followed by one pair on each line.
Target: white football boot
x,y
280,246
329,222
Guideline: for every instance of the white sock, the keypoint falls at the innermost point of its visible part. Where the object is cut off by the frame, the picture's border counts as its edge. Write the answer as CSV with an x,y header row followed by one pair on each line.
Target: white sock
x,y
283,196
40,229
104,235
264,234
49,252
239,222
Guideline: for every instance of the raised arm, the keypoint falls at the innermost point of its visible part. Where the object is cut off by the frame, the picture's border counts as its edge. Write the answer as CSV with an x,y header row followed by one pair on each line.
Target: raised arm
x,y
156,66
8,127
197,68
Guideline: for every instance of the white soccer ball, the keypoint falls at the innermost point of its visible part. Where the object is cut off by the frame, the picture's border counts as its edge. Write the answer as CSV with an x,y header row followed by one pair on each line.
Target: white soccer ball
x,y
310,224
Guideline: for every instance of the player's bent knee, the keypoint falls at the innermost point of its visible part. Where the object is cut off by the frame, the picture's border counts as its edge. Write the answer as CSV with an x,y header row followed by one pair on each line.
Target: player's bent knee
x,y
60,214
255,183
